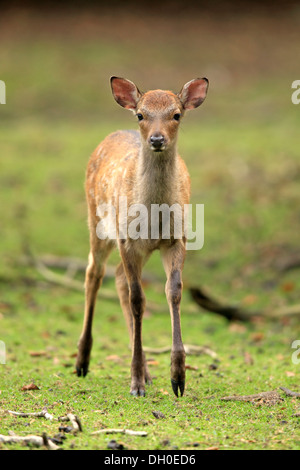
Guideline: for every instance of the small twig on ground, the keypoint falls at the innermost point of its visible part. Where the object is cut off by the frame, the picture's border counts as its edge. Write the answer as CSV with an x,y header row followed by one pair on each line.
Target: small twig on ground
x,y
190,349
290,393
121,431
39,441
75,422
268,398
163,350
40,414
197,350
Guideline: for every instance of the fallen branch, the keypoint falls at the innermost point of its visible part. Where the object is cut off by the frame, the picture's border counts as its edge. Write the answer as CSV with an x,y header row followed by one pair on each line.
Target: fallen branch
x,y
237,314
68,282
121,431
70,265
37,441
212,305
73,265
287,264
73,284
288,310
290,393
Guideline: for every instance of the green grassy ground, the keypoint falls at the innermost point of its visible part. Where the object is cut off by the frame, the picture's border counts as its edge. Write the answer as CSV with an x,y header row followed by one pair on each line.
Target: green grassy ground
x,y
242,150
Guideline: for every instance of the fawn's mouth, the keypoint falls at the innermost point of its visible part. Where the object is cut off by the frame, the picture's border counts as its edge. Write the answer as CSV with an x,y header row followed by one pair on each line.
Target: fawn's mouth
x,y
158,149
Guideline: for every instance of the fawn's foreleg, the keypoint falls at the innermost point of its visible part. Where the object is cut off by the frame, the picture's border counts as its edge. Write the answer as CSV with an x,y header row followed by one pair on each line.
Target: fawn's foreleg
x,y
173,260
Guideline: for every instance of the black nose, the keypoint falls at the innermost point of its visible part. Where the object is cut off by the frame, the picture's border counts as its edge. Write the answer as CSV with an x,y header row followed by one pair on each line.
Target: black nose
x,y
157,141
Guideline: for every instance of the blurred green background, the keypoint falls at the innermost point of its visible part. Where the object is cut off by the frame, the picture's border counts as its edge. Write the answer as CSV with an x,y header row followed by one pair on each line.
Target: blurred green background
x,y
241,146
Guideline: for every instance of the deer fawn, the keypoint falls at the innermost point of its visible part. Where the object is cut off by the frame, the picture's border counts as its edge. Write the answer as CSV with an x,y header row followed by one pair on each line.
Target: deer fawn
x,y
146,168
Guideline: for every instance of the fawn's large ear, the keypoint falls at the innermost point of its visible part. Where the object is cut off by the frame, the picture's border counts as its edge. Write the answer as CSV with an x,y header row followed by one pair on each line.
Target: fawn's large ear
x,y
125,92
193,93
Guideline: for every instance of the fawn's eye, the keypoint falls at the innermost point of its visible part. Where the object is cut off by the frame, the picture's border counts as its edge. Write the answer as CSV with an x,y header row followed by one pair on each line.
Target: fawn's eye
x,y
140,116
177,117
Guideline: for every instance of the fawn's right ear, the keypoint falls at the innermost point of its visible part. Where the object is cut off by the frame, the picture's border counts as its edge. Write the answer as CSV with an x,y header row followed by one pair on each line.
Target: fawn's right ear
x,y
125,92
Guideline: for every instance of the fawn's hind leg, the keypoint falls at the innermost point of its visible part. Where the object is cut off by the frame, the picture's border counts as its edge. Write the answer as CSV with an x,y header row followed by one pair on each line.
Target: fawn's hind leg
x,y
93,279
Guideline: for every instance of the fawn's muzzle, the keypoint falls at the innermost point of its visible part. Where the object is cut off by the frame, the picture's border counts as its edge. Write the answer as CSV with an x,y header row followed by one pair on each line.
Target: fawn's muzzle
x,y
157,142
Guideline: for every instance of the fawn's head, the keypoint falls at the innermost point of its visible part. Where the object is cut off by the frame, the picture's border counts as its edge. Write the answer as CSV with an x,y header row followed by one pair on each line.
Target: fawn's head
x,y
159,112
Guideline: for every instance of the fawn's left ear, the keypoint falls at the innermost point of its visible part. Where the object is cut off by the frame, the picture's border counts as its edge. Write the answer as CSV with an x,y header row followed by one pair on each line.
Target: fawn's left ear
x,y
193,93
125,92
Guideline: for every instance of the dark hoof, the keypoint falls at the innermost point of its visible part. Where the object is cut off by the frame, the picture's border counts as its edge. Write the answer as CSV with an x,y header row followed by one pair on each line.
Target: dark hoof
x,y
136,393
82,371
178,385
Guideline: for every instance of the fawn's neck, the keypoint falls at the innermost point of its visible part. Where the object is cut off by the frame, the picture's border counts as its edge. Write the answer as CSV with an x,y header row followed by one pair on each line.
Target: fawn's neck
x,y
157,177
